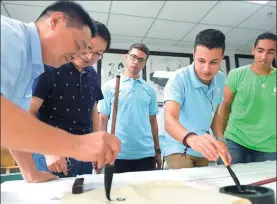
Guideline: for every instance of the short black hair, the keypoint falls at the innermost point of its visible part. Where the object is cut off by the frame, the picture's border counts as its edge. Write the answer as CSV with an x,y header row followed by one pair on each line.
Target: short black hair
x,y
265,36
211,39
74,12
140,46
104,33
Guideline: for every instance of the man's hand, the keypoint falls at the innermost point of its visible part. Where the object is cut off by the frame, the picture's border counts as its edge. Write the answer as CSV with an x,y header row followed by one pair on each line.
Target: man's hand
x,y
158,161
100,147
225,152
38,176
56,164
206,145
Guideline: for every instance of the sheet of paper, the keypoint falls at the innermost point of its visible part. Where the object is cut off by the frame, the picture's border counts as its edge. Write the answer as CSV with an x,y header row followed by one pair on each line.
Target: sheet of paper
x,y
155,192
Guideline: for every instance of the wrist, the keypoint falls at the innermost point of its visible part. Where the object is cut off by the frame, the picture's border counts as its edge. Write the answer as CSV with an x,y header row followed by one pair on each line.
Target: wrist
x,y
157,150
188,138
220,138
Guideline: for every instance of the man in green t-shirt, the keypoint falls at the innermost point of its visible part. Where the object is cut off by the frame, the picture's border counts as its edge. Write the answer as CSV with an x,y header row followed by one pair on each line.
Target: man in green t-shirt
x,y
249,106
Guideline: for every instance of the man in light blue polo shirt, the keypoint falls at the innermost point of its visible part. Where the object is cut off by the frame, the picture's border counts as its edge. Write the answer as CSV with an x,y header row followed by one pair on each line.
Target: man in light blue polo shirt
x,y
136,124
191,99
63,31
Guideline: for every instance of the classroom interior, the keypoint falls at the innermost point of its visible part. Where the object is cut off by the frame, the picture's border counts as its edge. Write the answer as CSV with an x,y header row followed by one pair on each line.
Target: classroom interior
x,y
168,28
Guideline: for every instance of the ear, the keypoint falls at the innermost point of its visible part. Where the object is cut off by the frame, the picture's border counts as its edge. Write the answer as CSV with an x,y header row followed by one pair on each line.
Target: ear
x,y
56,19
193,53
126,56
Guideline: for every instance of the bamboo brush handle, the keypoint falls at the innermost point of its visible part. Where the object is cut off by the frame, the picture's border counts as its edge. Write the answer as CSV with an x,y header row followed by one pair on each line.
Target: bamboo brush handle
x,y
223,158
116,93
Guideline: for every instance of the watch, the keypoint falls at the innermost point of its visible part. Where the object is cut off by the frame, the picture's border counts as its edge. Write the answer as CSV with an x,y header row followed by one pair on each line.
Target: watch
x,y
157,150
220,139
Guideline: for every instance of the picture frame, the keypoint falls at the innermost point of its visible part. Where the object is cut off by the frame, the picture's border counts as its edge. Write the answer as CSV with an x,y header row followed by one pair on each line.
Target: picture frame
x,y
225,66
242,60
160,65
112,63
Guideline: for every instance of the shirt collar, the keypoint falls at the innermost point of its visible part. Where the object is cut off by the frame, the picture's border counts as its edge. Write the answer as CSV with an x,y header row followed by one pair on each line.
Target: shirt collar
x,y
36,53
125,78
196,82
35,44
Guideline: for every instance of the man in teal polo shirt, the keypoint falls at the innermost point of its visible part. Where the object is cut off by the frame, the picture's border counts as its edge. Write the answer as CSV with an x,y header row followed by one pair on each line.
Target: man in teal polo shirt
x,y
62,31
191,99
136,124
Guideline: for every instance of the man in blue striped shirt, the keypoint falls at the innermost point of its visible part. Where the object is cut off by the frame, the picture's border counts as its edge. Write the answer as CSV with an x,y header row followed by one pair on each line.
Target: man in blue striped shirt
x,y
63,31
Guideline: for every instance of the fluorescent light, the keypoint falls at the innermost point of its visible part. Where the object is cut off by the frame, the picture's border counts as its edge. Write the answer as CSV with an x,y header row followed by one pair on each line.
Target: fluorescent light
x,y
164,74
258,2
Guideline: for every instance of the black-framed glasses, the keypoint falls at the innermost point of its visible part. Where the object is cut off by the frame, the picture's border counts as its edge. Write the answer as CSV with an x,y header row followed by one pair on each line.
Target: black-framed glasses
x,y
134,58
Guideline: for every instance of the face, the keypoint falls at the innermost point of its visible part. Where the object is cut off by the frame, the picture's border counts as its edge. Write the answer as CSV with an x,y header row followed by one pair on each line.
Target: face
x,y
135,61
207,62
98,46
264,52
65,42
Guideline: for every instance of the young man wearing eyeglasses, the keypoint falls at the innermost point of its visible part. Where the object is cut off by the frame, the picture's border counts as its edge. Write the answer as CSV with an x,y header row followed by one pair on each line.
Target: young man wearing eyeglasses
x,y
66,98
136,124
191,98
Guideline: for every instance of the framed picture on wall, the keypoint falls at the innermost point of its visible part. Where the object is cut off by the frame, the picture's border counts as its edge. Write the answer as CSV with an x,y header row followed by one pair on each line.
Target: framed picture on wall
x,y
242,60
225,65
112,64
160,66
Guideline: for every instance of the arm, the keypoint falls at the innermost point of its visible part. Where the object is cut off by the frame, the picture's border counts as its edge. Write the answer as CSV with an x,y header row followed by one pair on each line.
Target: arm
x,y
155,131
172,125
103,122
222,113
21,132
95,118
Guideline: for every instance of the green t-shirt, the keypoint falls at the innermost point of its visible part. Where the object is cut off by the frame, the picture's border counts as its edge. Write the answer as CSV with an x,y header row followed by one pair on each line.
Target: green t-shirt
x,y
252,121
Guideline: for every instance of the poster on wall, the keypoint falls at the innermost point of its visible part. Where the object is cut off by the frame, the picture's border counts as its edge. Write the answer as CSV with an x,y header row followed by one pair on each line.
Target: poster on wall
x,y
112,64
225,66
160,68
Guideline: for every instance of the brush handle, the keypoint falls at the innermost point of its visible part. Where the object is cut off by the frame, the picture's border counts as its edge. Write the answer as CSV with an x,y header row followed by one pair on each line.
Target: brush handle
x,y
223,159
115,104
263,182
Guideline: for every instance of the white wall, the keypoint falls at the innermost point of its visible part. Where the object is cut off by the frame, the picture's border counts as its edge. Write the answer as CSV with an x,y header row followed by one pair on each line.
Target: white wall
x,y
177,49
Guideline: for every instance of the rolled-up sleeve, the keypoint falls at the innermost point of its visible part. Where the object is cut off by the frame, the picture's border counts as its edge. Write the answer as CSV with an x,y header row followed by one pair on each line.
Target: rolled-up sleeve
x,y
175,89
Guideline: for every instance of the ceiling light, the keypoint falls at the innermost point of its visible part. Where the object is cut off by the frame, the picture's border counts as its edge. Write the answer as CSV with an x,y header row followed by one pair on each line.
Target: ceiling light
x,y
258,2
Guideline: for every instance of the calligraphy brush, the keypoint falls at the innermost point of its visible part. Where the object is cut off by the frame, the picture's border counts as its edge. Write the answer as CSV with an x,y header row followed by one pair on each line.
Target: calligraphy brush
x,y
109,169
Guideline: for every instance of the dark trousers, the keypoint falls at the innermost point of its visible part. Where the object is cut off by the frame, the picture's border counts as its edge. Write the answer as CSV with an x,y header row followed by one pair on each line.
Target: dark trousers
x,y
144,164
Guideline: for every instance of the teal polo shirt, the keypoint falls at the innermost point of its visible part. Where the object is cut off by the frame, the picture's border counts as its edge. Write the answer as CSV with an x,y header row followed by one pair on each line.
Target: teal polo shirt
x,y
137,102
196,110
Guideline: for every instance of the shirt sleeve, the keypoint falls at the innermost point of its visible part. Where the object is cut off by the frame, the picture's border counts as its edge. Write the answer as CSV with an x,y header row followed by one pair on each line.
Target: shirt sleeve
x,y
10,61
104,106
153,109
231,81
175,90
43,84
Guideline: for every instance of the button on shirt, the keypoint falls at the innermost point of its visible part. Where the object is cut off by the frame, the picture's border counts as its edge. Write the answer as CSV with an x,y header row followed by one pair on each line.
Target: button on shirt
x,y
196,112
21,60
69,97
137,102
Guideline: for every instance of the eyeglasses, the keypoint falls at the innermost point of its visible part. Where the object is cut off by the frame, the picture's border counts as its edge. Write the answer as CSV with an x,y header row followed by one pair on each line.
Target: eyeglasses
x,y
96,54
140,60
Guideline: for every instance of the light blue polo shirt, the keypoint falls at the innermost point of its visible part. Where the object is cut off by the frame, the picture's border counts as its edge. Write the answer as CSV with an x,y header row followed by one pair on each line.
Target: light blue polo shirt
x,y
196,110
136,103
21,60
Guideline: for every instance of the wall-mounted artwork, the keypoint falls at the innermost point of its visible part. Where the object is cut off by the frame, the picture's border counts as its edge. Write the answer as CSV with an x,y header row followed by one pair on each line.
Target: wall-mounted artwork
x,y
160,66
225,66
242,60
